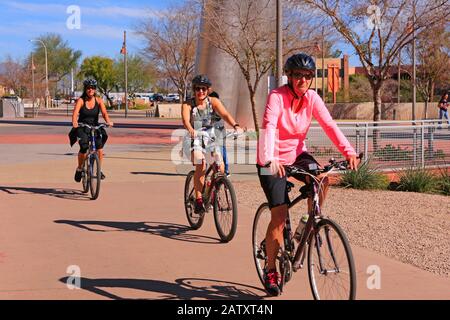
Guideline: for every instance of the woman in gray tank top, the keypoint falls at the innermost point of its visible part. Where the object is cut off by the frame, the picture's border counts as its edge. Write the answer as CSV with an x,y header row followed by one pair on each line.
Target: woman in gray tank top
x,y
204,114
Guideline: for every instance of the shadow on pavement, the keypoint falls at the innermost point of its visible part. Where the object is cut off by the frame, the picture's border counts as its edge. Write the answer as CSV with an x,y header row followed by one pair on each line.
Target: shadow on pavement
x,y
182,288
161,229
57,193
160,174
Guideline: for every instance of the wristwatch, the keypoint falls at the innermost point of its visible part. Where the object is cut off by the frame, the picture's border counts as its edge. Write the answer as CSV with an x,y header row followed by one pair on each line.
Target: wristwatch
x,y
236,125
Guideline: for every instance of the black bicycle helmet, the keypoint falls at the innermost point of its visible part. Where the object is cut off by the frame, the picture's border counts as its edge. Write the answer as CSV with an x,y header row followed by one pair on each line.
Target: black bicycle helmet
x,y
299,61
90,83
201,80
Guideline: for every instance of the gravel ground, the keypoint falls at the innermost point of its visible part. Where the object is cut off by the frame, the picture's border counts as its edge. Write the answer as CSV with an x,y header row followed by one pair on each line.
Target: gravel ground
x,y
410,227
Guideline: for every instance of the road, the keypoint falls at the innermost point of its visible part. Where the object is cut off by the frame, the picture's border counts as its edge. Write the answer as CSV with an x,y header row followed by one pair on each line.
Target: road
x,y
134,242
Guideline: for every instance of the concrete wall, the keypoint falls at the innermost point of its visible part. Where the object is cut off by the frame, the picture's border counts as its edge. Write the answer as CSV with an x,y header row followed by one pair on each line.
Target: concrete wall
x,y
172,111
11,109
364,111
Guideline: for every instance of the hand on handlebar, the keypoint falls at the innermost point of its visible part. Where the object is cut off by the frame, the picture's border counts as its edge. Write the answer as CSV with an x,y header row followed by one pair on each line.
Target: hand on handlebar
x,y
192,133
277,169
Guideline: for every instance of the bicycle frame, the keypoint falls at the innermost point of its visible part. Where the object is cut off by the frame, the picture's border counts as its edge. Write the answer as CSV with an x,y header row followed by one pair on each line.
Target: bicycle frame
x,y
309,230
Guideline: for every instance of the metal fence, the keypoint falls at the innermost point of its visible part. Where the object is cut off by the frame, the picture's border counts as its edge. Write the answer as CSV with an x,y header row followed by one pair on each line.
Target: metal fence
x,y
389,145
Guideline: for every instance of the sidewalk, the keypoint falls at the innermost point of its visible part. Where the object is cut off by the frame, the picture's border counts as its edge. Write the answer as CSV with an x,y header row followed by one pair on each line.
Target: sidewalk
x,y
133,242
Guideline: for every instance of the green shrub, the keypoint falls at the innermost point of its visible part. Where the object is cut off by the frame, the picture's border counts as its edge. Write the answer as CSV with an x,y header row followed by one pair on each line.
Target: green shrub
x,y
365,178
141,106
392,153
443,182
417,180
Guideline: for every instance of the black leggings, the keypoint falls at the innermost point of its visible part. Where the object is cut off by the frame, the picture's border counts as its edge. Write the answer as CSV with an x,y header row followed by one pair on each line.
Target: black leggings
x,y
275,187
83,140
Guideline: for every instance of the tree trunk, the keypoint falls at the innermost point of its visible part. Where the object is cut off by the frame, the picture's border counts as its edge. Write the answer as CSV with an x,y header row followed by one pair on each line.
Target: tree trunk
x,y
376,114
255,116
110,102
432,91
377,103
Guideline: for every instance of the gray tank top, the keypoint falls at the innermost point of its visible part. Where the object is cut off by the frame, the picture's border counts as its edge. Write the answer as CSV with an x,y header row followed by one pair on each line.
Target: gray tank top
x,y
204,118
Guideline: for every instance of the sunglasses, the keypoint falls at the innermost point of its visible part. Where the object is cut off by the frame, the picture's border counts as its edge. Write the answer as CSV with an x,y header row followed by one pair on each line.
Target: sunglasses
x,y
198,89
91,88
299,75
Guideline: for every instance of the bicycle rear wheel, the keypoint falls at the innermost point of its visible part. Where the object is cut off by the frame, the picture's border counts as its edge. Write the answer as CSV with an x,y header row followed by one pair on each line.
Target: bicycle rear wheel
x,y
225,209
331,268
95,176
195,220
85,178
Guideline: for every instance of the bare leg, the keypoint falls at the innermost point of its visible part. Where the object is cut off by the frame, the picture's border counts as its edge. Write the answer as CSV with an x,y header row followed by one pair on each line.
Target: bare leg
x,y
100,155
81,158
199,176
274,236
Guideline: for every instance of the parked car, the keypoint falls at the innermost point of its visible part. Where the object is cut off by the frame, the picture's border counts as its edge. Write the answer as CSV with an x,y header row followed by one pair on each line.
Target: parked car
x,y
157,98
173,97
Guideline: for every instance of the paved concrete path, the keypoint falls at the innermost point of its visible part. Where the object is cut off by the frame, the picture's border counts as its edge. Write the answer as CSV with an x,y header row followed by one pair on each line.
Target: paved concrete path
x,y
134,242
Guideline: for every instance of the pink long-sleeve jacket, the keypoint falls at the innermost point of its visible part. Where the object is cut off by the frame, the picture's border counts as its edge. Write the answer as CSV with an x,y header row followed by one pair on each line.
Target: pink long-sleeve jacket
x,y
283,133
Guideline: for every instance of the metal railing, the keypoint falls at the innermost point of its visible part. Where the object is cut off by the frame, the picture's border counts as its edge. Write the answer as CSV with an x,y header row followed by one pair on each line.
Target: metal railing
x,y
389,145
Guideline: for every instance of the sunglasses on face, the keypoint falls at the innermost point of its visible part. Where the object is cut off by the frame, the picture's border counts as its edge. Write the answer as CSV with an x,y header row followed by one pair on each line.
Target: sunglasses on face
x,y
299,75
91,88
198,89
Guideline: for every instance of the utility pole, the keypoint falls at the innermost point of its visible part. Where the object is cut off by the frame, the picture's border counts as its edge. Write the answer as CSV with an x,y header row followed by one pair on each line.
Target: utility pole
x,y
126,72
47,91
279,74
414,63
32,80
399,76
323,64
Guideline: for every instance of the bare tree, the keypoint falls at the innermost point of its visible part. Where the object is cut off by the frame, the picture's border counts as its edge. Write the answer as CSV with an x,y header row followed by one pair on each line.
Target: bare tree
x,y
172,42
433,47
13,75
244,30
378,29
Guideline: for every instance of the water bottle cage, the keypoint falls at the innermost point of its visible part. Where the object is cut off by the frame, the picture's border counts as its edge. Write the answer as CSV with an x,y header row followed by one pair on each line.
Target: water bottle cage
x,y
289,186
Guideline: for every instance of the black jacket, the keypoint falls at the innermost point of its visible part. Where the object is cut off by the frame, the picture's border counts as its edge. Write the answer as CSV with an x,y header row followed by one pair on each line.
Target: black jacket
x,y
73,135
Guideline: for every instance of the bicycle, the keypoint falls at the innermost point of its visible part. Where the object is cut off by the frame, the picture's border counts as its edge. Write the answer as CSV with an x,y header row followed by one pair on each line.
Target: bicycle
x,y
218,193
329,252
92,176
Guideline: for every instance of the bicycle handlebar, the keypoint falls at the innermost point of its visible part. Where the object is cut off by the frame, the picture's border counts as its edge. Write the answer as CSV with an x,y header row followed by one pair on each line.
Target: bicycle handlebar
x,y
84,125
203,133
315,170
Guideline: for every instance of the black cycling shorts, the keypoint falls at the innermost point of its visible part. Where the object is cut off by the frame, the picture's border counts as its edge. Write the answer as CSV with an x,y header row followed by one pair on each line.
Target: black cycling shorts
x,y
83,139
275,187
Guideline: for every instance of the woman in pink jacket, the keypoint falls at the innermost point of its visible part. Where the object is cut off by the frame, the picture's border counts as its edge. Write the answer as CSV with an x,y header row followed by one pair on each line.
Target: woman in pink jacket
x,y
287,119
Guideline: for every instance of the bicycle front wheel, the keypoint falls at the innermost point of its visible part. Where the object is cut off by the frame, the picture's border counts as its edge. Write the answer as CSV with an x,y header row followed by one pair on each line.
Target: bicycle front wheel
x,y
95,176
195,220
331,268
260,226
85,177
225,209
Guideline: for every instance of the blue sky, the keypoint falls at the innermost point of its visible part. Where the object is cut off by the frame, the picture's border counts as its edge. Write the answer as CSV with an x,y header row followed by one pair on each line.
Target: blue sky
x,y
102,25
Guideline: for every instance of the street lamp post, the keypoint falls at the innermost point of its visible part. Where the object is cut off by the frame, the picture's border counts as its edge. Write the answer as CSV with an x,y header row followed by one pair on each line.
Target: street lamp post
x,y
279,74
47,92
